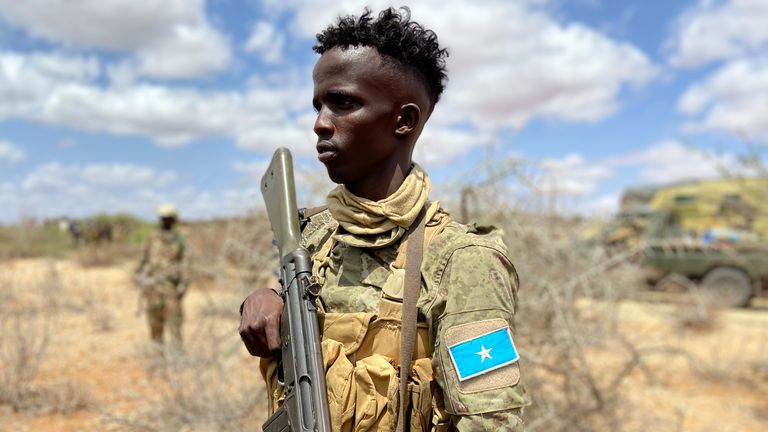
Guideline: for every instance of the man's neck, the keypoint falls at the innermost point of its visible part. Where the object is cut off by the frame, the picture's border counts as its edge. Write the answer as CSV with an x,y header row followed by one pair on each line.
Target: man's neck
x,y
376,189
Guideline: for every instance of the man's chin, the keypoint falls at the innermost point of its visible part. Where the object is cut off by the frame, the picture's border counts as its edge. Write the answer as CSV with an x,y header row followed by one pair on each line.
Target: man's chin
x,y
335,177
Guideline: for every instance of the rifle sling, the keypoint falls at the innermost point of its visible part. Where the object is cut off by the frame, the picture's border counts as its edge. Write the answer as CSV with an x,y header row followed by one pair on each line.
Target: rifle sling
x,y
411,288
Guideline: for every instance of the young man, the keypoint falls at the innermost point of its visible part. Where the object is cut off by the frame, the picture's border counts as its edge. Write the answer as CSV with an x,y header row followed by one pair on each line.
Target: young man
x,y
162,276
375,85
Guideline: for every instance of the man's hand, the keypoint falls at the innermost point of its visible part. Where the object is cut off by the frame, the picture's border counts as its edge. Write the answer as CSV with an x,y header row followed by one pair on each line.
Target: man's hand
x,y
260,322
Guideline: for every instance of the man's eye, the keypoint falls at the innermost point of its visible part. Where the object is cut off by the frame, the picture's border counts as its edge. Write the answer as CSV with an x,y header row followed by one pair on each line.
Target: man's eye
x,y
342,101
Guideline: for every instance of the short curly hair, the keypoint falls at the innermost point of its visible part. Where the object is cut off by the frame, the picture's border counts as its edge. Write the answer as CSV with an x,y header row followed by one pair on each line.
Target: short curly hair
x,y
393,35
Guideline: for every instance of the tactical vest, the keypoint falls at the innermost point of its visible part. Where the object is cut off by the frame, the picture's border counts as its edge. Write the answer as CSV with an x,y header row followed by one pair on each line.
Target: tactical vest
x,y
166,251
361,352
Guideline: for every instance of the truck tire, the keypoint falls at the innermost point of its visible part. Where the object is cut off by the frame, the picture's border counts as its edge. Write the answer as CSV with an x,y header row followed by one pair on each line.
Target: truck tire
x,y
730,286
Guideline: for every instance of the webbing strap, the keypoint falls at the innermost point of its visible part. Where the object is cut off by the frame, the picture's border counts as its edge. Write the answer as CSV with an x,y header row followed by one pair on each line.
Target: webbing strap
x,y
311,211
411,288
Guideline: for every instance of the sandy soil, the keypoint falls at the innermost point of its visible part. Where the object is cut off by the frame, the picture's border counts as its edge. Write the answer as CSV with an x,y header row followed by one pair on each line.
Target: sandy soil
x,y
99,341
712,378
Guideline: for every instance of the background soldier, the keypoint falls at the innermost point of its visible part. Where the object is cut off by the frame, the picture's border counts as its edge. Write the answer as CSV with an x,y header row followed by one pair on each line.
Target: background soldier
x,y
162,276
375,85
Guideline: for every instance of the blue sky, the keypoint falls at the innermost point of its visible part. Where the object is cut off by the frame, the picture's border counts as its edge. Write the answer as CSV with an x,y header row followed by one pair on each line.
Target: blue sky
x,y
120,105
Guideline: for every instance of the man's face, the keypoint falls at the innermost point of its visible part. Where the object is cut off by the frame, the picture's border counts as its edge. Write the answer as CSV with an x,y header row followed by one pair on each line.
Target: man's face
x,y
357,100
167,222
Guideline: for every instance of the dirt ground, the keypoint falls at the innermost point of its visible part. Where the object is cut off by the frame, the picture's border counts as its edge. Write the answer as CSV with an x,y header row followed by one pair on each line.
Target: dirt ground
x,y
710,376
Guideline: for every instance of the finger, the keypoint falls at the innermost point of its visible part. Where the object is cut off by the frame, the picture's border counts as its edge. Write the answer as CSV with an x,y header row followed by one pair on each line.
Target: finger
x,y
248,340
273,333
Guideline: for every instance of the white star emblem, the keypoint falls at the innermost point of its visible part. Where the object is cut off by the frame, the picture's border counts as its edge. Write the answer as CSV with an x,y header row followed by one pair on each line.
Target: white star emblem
x,y
484,353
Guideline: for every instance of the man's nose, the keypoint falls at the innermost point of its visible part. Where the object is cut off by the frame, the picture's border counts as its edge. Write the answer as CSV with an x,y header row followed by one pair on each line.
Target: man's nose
x,y
323,125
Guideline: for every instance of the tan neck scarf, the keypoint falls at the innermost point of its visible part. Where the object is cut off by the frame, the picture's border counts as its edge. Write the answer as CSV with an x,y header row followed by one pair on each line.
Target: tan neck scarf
x,y
363,217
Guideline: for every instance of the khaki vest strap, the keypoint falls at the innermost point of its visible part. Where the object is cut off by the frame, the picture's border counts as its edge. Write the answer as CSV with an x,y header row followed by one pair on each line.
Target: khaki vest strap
x,y
311,211
412,286
306,213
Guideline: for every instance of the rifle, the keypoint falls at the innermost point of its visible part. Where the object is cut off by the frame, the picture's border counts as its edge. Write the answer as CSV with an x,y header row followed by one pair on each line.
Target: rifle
x,y
141,282
305,407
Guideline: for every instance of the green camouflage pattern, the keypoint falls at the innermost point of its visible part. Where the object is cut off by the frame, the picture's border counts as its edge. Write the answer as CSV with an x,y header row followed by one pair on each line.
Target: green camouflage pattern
x,y
466,277
163,277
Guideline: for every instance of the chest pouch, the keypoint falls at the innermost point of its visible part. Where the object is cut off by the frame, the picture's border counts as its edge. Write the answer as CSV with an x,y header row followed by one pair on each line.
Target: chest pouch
x,y
362,354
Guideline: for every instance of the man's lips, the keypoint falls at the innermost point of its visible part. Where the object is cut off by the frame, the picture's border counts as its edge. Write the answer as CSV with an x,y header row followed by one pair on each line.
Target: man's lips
x,y
325,151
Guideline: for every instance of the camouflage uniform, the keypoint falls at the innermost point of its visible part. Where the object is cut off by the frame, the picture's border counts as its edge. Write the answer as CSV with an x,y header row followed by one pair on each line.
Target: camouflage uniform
x,y
469,287
163,269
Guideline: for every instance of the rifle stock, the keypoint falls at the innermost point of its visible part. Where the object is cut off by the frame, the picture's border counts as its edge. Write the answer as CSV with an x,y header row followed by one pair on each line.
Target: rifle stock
x,y
305,407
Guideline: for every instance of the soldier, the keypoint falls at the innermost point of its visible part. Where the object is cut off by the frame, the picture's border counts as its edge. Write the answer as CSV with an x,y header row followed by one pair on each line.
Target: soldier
x,y
162,276
375,85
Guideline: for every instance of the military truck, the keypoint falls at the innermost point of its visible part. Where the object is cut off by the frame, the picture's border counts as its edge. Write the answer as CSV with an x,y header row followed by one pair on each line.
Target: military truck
x,y
714,233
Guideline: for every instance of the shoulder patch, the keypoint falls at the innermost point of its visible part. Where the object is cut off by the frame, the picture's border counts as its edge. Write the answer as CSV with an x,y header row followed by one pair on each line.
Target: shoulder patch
x,y
483,355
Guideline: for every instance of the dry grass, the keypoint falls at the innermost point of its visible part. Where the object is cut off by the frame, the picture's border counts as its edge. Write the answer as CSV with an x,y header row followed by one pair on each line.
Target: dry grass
x,y
594,359
585,368
30,239
27,319
198,389
106,254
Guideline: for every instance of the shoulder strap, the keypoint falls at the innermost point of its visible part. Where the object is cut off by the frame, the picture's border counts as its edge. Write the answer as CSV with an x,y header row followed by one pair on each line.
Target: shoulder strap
x,y
307,212
412,286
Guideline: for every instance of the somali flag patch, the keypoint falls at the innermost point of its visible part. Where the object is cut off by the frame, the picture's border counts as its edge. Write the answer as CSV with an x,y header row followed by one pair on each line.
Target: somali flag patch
x,y
484,353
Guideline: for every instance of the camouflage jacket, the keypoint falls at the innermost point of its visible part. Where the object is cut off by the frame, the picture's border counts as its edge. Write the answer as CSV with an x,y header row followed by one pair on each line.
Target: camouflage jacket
x,y
164,259
469,286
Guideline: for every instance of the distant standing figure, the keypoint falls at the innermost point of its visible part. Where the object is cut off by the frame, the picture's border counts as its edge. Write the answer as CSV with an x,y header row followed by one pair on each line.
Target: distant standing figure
x,y
74,230
162,275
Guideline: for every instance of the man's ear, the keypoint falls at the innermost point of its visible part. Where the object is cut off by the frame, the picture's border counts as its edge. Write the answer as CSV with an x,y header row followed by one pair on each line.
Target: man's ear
x,y
408,119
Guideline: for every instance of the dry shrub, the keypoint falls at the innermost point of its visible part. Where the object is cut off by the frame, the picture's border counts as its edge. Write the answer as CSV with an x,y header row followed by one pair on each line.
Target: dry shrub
x,y
698,312
228,259
568,312
222,306
30,238
26,322
95,305
199,389
210,385
106,254
61,397
24,340
696,308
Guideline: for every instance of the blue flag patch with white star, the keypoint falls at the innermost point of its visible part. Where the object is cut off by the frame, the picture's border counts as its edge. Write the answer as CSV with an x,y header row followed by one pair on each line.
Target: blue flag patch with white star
x,y
483,353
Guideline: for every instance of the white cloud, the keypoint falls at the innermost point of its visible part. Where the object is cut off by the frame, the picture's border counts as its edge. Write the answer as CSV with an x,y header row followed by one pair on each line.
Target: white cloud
x,y
669,161
251,170
10,153
78,190
713,31
571,176
442,144
295,134
197,204
27,79
77,180
510,61
56,189
312,181
602,205
734,99
168,38
500,75
63,90
267,41
170,116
